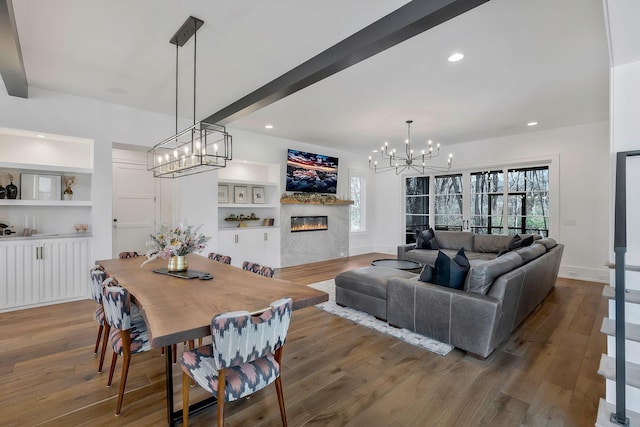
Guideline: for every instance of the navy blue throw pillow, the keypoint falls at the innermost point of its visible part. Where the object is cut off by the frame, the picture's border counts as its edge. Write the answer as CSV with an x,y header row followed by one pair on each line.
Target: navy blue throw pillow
x,y
451,272
424,239
426,275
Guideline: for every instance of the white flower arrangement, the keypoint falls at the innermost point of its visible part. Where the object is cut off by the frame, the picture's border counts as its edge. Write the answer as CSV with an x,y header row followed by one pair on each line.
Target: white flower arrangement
x,y
178,241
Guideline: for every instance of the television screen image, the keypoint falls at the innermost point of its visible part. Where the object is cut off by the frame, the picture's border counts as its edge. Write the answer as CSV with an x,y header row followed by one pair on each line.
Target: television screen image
x,y
312,173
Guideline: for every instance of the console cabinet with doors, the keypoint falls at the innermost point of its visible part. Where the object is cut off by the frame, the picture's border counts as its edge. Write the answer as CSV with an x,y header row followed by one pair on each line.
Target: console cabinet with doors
x,y
42,271
249,213
260,244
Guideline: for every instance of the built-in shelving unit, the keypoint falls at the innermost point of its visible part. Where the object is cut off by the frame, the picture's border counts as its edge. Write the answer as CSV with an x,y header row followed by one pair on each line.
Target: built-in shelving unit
x,y
247,239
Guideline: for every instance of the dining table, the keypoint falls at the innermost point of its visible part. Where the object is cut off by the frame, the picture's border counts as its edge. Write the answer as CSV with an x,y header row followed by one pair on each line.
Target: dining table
x,y
177,309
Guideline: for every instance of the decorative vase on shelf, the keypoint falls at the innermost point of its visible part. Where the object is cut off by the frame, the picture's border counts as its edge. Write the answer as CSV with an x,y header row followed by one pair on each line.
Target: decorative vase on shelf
x,y
178,263
3,192
12,191
68,193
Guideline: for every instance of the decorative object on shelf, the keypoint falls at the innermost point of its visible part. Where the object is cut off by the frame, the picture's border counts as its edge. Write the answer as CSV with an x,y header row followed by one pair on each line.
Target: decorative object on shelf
x,y
69,182
223,194
12,190
408,161
3,192
200,148
258,195
313,198
242,217
174,244
240,193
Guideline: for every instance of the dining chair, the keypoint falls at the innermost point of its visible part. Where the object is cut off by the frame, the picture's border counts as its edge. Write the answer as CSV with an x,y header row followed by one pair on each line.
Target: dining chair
x,y
226,259
258,269
125,255
245,356
128,334
98,276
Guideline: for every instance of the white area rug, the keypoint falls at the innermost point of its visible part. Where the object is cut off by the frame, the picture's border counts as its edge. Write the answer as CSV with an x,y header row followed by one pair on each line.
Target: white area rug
x,y
369,321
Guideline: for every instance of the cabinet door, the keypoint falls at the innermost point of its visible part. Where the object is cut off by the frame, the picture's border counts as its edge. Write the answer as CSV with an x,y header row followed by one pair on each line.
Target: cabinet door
x,y
19,275
64,268
271,238
227,246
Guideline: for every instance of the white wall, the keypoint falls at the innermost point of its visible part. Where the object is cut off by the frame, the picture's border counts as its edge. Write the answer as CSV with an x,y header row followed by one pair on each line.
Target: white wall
x,y
582,186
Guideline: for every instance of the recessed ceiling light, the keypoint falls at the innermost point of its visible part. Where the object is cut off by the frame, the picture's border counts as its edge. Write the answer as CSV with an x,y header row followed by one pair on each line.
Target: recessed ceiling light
x,y
532,124
268,126
456,57
40,136
374,151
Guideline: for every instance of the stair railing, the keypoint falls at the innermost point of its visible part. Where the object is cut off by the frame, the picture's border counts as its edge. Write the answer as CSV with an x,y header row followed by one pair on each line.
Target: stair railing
x,y
620,248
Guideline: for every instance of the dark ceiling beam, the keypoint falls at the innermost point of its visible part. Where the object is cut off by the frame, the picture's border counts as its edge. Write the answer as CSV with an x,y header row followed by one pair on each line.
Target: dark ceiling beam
x,y
410,20
11,65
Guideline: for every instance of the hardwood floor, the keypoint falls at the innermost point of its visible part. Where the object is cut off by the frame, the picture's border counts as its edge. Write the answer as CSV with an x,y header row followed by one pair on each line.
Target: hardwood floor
x,y
334,372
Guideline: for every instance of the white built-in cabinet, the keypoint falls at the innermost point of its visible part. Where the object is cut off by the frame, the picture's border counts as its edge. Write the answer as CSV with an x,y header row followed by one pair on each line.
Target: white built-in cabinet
x,y
41,271
250,240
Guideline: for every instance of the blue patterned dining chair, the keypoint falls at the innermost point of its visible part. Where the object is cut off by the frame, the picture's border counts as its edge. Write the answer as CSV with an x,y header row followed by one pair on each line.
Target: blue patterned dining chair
x,y
245,356
226,259
128,333
258,269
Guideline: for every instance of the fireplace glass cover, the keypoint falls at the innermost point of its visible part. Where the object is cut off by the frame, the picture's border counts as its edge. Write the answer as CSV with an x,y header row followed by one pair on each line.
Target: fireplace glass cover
x,y
309,223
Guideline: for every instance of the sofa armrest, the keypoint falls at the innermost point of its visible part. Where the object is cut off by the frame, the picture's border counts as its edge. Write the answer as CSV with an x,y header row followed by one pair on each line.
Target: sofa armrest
x,y
403,249
466,320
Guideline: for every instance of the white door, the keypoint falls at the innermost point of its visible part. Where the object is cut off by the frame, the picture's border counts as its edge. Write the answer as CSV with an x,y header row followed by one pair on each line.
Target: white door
x,y
139,202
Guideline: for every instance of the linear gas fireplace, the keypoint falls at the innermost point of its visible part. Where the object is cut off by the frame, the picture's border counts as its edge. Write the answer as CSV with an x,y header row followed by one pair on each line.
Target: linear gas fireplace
x,y
309,223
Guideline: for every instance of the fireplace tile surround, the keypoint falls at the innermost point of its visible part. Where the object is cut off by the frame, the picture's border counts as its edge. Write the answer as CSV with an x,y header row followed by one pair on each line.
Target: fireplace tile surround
x,y
301,248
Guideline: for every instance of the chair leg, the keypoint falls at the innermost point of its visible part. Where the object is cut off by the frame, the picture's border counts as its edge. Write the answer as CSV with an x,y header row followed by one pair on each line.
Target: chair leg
x,y
95,349
105,340
283,413
126,361
114,359
186,385
221,383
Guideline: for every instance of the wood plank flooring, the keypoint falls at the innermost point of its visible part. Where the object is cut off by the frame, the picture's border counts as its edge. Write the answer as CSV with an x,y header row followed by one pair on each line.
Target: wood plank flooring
x,y
335,373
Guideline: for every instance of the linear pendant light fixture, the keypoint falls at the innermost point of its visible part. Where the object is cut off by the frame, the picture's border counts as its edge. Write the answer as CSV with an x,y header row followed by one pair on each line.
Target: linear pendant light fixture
x,y
409,161
200,148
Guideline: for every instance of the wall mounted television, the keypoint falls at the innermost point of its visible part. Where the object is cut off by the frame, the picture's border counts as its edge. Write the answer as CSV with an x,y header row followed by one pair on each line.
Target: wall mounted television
x,y
311,173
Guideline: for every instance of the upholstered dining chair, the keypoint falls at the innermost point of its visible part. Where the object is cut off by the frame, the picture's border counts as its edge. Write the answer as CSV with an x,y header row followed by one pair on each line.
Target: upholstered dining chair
x,y
226,259
125,255
258,269
128,334
245,356
98,276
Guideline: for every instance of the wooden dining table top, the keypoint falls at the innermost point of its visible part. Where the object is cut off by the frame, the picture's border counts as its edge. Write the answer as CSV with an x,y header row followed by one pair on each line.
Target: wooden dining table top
x,y
177,309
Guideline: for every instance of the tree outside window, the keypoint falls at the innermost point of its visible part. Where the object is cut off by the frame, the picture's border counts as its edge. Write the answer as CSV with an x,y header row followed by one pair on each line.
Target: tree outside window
x,y
528,201
487,200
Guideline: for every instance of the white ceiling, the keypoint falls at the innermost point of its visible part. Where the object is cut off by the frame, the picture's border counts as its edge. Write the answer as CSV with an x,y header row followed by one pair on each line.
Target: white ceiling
x,y
543,60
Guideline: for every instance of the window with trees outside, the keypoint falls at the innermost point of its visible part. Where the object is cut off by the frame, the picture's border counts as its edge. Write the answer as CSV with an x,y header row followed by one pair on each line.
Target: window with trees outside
x,y
357,186
528,201
416,206
487,202
448,202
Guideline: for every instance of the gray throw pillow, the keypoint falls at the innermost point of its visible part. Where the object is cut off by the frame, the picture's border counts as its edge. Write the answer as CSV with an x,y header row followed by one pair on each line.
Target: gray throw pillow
x,y
530,253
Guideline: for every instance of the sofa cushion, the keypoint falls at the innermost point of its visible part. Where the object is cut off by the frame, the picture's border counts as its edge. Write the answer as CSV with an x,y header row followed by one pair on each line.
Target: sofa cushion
x,y
451,272
490,242
530,253
455,240
426,275
547,242
482,275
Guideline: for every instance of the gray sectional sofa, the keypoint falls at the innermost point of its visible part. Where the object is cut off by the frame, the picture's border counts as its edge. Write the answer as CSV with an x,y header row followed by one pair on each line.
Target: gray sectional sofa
x,y
498,295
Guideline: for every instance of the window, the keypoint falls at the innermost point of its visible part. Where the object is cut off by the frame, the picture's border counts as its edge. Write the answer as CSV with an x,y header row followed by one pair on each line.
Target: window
x,y
528,201
487,201
417,206
357,186
448,202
